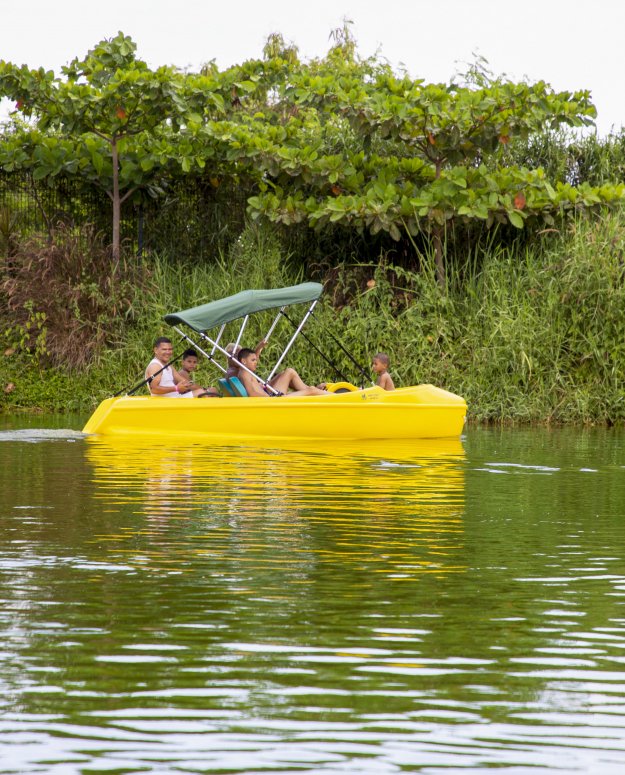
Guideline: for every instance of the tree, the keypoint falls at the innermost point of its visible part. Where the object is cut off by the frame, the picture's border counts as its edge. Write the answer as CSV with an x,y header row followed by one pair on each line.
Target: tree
x,y
414,157
338,142
109,119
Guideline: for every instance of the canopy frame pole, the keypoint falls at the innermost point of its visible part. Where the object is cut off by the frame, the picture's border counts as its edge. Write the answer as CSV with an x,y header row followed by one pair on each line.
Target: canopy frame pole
x,y
221,330
293,338
264,383
208,356
321,353
274,324
216,346
364,376
241,330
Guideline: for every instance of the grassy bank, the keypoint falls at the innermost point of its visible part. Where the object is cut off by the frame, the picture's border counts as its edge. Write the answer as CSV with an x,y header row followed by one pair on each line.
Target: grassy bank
x,y
535,335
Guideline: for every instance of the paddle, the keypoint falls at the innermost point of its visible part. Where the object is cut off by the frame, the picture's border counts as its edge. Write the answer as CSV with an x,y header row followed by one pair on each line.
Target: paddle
x,y
148,380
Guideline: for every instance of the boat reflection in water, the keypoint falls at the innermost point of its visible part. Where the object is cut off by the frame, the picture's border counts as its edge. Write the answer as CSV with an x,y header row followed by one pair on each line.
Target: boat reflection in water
x,y
397,508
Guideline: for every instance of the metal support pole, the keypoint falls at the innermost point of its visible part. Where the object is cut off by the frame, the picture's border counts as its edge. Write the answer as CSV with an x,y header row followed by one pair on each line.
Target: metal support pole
x,y
197,347
221,330
264,383
293,338
274,324
241,330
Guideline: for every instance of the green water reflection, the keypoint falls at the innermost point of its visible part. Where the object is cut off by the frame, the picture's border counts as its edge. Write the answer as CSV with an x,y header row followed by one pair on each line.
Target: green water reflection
x,y
432,606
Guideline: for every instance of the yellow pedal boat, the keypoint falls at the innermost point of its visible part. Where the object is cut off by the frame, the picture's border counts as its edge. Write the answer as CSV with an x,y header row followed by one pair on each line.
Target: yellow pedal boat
x,y
344,413
421,412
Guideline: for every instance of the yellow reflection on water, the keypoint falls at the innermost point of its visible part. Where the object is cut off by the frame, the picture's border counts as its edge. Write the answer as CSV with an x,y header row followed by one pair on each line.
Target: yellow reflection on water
x,y
393,509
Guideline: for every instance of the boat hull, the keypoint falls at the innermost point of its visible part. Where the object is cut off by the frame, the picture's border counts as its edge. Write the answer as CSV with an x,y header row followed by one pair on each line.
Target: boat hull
x,y
419,412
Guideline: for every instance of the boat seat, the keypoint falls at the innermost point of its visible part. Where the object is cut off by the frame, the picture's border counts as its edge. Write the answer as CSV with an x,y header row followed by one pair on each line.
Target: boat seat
x,y
340,387
232,387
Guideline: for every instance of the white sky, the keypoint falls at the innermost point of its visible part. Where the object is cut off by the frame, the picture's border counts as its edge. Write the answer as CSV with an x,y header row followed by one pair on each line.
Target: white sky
x,y
570,44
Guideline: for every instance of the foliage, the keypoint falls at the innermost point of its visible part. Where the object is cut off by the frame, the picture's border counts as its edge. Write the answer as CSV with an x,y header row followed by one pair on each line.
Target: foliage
x,y
571,157
338,143
365,149
533,336
538,336
347,149
110,120
28,335
66,300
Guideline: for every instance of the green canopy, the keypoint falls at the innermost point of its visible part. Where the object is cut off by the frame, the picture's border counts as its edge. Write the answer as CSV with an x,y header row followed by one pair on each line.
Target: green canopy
x,y
216,313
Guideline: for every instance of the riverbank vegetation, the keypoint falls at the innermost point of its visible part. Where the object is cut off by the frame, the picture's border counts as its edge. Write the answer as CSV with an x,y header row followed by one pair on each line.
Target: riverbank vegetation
x,y
462,228
526,334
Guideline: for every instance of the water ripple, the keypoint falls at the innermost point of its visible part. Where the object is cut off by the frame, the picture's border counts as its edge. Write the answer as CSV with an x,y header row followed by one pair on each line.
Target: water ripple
x,y
360,610
36,435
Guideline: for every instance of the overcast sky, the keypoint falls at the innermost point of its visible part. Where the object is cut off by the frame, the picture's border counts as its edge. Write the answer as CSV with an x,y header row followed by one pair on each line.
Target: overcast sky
x,y
570,44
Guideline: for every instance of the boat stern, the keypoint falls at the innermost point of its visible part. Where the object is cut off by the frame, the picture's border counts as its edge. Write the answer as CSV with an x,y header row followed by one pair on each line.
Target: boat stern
x,y
97,421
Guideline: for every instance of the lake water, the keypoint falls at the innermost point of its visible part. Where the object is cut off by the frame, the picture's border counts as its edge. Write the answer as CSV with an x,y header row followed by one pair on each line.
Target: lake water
x,y
429,607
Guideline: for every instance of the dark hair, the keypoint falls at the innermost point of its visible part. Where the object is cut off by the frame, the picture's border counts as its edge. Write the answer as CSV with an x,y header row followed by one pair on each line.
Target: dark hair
x,y
244,352
189,353
383,358
161,340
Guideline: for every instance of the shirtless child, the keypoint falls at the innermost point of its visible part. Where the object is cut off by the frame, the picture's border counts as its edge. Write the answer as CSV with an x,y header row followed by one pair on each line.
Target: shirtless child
x,y
288,380
233,350
188,365
380,367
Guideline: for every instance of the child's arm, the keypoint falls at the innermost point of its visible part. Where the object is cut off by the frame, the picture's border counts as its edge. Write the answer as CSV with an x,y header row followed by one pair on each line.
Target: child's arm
x,y
183,384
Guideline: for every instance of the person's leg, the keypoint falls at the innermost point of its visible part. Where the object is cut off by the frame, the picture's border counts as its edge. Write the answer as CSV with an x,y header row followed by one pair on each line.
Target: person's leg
x,y
307,390
203,392
288,379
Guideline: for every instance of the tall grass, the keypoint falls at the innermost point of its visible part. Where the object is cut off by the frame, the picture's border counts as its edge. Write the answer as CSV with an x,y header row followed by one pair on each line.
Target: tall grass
x,y
254,260
538,335
533,334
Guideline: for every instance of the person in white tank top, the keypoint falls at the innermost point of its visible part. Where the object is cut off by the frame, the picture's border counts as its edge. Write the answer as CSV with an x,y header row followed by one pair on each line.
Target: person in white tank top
x,y
166,381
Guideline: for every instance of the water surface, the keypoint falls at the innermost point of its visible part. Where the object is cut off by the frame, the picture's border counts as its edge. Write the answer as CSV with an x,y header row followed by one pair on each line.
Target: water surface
x,y
441,606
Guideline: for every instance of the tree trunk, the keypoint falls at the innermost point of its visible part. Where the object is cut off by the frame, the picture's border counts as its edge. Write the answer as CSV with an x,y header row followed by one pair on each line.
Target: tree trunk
x,y
437,236
116,201
39,203
438,255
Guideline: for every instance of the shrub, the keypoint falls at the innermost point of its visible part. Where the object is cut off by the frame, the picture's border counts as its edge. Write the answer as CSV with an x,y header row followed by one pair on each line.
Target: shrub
x,y
66,299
